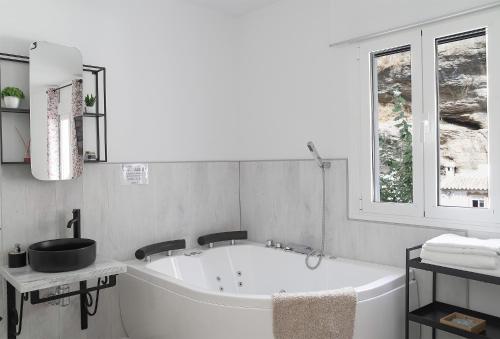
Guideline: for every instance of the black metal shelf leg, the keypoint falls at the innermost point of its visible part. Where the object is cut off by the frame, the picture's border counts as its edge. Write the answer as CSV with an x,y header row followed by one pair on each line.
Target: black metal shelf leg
x,y
434,286
12,317
84,317
407,296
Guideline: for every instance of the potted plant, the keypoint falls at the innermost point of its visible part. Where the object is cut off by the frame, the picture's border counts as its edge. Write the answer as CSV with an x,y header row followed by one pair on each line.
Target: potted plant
x,y
89,101
12,96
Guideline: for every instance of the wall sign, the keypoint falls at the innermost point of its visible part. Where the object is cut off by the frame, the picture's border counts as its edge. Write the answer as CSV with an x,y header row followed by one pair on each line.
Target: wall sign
x,y
135,174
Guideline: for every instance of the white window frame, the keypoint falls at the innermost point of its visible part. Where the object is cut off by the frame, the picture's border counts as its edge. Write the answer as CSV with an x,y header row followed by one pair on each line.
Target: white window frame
x,y
488,20
424,210
368,107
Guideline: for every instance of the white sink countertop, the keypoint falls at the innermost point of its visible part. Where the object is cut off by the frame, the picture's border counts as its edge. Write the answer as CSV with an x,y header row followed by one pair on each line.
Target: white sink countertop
x,y
24,279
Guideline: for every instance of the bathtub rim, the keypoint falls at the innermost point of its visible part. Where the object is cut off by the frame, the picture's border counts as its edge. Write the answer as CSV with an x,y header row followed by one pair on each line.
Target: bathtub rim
x,y
395,279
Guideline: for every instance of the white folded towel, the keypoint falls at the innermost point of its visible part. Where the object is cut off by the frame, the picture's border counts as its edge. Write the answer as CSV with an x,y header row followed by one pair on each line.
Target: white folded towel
x,y
456,250
452,243
462,260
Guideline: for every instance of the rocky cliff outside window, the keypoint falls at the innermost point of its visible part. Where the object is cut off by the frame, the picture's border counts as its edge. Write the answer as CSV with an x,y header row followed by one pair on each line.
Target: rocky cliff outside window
x,y
463,119
392,126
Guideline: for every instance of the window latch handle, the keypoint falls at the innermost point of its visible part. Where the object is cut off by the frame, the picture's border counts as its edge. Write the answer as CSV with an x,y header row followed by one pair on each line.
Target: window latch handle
x,y
424,130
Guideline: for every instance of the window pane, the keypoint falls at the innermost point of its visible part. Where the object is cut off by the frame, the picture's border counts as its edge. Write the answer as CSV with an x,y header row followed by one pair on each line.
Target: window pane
x,y
392,126
463,120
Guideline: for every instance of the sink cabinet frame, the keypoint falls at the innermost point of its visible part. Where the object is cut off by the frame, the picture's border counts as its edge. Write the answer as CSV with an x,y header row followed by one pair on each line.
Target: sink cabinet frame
x,y
13,318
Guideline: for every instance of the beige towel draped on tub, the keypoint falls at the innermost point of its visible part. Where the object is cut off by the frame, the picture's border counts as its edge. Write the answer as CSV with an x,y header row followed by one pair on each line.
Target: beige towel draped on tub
x,y
314,315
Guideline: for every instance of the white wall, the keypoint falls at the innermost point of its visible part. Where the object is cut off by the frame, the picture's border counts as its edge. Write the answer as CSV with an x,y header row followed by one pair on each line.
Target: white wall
x,y
287,83
170,70
293,87
189,83
354,18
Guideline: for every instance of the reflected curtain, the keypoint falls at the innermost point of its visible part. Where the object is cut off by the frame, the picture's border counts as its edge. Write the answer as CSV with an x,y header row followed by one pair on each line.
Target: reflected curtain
x,y
77,130
53,134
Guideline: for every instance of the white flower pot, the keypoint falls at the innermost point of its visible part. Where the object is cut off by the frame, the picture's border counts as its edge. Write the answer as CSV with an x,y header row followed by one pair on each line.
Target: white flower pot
x,y
11,102
90,109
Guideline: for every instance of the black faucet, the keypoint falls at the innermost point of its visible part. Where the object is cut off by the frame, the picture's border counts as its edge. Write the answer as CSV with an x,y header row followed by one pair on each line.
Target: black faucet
x,y
76,223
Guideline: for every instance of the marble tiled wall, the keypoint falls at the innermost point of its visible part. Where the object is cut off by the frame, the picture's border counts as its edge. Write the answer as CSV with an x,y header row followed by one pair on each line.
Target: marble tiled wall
x,y
182,200
280,200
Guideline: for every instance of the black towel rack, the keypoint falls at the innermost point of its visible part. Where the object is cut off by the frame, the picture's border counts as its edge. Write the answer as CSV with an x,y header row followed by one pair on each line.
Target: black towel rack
x,y
430,315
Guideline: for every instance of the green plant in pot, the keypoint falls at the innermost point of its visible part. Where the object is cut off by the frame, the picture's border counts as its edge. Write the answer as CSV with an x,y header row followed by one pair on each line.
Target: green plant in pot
x,y
12,96
89,101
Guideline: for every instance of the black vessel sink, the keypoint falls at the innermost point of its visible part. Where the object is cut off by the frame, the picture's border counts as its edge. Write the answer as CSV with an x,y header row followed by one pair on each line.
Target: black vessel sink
x,y
61,255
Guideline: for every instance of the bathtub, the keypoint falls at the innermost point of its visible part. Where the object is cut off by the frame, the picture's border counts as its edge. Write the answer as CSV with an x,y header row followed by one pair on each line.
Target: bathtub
x,y
225,292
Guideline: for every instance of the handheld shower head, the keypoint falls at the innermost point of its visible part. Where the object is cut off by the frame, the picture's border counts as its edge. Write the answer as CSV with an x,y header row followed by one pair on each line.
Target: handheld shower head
x,y
316,156
323,165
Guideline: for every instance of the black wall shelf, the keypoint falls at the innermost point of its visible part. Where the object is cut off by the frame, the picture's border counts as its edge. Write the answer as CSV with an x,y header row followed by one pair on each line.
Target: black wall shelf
x,y
430,315
15,110
93,114
98,119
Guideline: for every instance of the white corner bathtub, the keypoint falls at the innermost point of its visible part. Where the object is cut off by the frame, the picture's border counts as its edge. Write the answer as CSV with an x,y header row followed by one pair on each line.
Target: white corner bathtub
x,y
225,293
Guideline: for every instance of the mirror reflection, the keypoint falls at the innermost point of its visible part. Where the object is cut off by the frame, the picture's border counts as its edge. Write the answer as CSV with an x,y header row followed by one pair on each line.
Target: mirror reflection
x,y
56,113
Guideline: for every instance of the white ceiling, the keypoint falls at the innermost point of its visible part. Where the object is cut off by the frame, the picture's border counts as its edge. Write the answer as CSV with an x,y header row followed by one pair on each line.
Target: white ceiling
x,y
234,7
